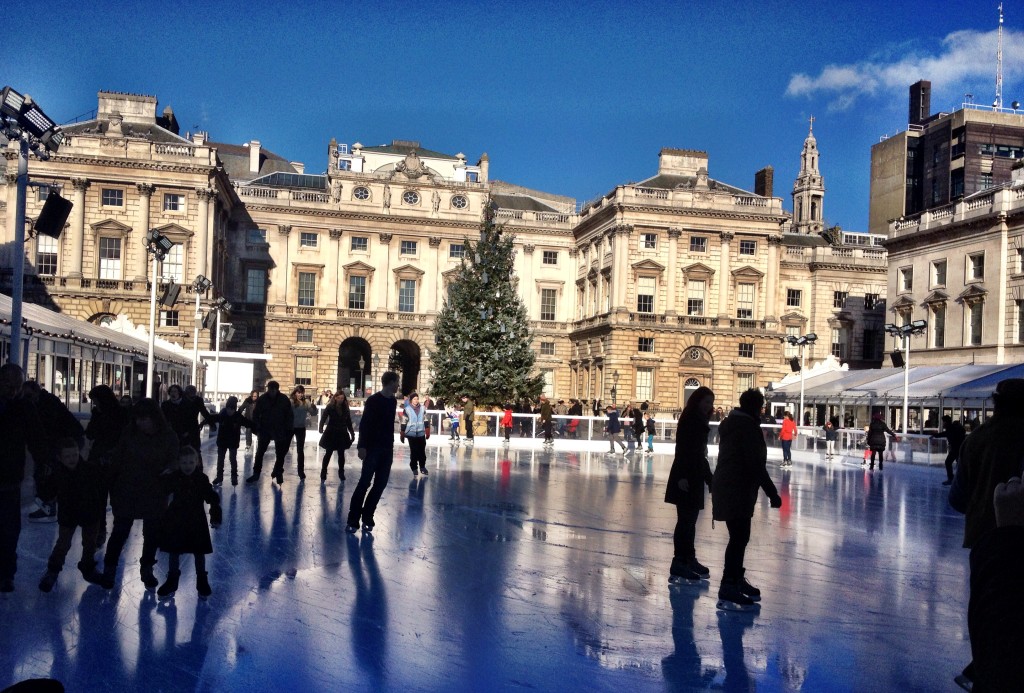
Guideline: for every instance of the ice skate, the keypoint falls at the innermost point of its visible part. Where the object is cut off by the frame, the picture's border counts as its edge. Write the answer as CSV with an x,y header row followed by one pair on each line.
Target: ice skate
x,y
699,568
203,585
48,580
731,597
148,579
351,529
748,589
368,526
168,589
680,573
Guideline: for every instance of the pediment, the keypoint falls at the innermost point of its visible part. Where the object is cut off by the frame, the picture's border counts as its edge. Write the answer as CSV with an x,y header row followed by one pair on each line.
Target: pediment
x,y
903,302
450,274
409,269
748,272
974,292
358,267
698,269
935,297
112,225
793,318
648,266
174,230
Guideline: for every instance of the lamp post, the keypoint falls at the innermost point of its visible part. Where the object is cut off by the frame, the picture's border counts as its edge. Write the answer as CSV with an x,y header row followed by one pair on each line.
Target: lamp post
x,y
905,332
615,386
802,342
200,286
158,246
361,380
376,368
22,120
220,305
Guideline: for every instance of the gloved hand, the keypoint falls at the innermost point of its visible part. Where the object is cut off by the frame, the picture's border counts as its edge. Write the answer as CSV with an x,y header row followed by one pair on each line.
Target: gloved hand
x,y
216,516
776,502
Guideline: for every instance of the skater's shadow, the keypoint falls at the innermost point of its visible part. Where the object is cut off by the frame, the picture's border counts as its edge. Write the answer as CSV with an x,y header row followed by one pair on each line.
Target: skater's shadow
x,y
369,618
731,626
682,668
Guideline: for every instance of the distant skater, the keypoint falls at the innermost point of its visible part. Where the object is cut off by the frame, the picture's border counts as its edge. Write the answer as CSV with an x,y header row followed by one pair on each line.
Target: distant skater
x,y
954,433
376,449
877,432
416,428
336,433
686,480
786,437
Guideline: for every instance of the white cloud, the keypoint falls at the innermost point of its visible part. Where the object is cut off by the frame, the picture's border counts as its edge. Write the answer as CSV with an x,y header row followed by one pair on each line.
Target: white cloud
x,y
964,56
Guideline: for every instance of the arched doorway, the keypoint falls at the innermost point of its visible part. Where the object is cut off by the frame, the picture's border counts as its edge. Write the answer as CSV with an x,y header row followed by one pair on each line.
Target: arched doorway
x,y
404,359
355,367
689,387
696,368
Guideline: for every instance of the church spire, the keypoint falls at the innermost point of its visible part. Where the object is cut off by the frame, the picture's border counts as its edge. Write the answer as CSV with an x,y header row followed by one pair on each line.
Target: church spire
x,y
809,189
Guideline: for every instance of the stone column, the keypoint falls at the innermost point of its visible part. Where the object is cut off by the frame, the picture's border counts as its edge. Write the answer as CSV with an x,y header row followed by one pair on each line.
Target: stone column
x,y
78,229
620,265
141,255
673,268
283,269
201,246
724,274
771,280
385,277
331,271
586,281
529,291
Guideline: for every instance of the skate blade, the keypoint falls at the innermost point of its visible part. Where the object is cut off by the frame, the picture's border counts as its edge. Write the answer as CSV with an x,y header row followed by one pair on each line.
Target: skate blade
x,y
677,580
726,605
963,682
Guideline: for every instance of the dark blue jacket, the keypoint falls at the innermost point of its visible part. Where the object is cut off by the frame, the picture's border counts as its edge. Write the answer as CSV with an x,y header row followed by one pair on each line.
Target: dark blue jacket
x,y
377,426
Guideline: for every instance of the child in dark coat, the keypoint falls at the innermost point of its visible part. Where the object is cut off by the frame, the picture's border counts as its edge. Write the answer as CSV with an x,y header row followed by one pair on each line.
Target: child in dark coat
x,y
229,433
185,529
81,502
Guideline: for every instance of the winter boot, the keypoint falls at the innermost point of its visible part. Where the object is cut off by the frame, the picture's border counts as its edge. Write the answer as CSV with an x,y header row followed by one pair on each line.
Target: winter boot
x,y
423,469
748,589
699,568
168,589
148,579
731,597
203,585
415,469
106,578
88,571
48,580
323,472
680,573
341,470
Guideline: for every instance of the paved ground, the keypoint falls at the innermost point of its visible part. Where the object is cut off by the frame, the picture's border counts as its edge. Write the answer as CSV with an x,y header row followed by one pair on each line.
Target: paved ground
x,y
520,569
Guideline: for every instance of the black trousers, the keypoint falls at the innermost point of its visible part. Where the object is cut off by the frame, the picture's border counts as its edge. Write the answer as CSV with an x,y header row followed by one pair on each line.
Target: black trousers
x,y
10,528
232,456
299,434
469,427
417,452
685,533
118,537
372,481
280,449
950,459
736,549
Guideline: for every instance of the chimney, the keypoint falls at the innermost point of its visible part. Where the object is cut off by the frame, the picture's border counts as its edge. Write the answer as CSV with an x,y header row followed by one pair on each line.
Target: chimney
x,y
254,156
199,137
764,181
298,166
920,102
485,167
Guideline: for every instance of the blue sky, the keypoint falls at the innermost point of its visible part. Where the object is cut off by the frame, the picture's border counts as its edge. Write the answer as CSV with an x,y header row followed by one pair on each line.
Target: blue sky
x,y
572,98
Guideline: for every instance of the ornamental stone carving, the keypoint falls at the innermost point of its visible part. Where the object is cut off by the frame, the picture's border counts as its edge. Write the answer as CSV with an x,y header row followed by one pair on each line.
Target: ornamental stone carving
x,y
528,248
81,184
726,236
435,241
284,229
385,238
675,233
335,234
145,189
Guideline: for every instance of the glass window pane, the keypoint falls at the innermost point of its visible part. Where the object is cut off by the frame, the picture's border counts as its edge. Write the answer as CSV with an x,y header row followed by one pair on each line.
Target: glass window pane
x,y
407,296
307,288
357,293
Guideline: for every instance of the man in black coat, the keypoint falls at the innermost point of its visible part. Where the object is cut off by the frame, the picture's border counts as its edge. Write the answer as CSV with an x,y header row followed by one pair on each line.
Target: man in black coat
x,y
741,471
376,450
58,422
272,418
19,427
954,433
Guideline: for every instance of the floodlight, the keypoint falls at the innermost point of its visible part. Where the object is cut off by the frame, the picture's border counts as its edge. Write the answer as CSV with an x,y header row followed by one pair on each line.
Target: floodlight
x,y
201,284
170,295
919,324
11,103
34,120
811,338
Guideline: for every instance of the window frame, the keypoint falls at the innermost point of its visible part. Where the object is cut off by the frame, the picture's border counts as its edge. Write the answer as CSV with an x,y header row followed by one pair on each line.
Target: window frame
x,y
794,298
701,241
307,368
549,257
645,345
363,241
305,296
408,248
747,247
103,270
351,296
262,273
304,335
405,286
117,193
309,239
174,202
548,309
648,241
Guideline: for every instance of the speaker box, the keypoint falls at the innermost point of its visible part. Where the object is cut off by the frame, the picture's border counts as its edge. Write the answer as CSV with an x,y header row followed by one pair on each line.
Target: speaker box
x,y
794,364
170,295
54,215
897,359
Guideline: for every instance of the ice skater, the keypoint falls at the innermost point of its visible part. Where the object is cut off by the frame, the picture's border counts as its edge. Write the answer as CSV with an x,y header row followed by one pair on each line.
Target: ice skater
x,y
506,422
453,423
336,433
546,420
376,450
786,437
229,434
741,470
273,419
468,416
416,430
613,430
184,528
954,433
651,428
690,472
877,432
831,436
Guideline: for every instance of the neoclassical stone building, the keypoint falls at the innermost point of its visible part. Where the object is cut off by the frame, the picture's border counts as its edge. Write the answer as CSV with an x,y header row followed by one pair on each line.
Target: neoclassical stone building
x,y
657,287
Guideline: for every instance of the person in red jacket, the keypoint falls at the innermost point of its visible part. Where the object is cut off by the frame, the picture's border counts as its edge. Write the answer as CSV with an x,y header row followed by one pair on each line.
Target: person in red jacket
x,y
786,437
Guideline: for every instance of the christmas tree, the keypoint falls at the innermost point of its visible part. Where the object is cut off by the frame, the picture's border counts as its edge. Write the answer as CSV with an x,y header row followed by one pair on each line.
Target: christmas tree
x,y
483,334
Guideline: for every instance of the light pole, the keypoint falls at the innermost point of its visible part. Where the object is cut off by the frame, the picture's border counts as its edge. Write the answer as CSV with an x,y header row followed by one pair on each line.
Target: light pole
x,y
376,368
200,286
158,246
361,380
22,120
615,386
802,342
905,332
221,304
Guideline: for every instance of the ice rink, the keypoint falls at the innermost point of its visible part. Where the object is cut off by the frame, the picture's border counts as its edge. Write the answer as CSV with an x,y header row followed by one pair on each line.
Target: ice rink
x,y
518,569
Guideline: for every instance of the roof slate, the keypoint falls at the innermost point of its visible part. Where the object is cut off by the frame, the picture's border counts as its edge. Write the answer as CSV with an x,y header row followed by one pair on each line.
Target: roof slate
x,y
408,149
521,203
670,182
235,159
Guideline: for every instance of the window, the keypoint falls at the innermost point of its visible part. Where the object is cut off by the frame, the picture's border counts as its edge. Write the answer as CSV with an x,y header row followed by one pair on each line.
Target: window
x,y
791,350
745,300
906,279
43,191
644,384
938,326
357,292
459,202
935,191
172,266
839,298
976,266
976,312
839,343
986,180
645,345
793,297
1020,260
748,247
870,301
456,251
406,295
547,348
304,335
695,297
744,382
254,331
550,257
256,236
472,176
344,164
307,239
256,285
648,241
361,193
360,244
746,350
1020,322
307,288
112,197
698,244
870,348
548,303
939,273
174,202
168,318
411,197
645,295
407,248
46,255
110,258
303,370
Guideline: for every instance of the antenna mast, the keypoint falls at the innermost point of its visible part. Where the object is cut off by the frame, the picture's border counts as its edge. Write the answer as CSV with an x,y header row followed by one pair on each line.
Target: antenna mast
x,y
998,103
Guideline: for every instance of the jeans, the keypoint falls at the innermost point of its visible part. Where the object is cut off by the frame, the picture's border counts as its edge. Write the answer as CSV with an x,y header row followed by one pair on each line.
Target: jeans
x,y
736,549
280,450
376,469
233,457
614,438
650,442
787,450
10,528
417,452
469,427
685,533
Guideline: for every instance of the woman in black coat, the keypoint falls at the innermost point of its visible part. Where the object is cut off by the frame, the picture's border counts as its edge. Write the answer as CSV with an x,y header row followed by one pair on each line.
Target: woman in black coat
x,y
690,472
229,432
336,433
740,472
877,432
